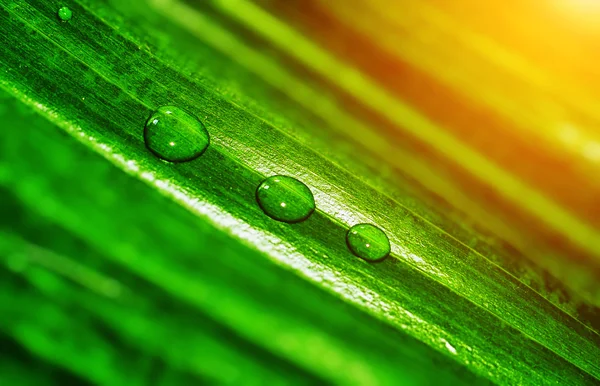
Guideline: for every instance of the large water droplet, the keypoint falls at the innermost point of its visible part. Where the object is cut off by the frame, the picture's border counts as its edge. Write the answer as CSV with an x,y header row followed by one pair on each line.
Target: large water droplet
x,y
65,14
175,135
285,199
368,242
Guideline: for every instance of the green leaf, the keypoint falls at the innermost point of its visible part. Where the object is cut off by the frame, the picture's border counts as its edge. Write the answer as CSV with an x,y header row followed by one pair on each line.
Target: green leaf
x,y
121,268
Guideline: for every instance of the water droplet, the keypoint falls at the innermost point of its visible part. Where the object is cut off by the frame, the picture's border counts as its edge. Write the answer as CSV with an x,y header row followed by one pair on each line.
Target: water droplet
x,y
65,14
175,135
368,242
285,199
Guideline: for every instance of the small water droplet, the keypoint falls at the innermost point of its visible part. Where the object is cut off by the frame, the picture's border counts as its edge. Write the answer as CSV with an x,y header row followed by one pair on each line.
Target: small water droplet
x,y
285,199
65,14
368,242
175,135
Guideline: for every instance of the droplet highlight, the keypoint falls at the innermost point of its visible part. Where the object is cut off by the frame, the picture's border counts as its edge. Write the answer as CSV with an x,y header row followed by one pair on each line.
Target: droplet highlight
x,y
175,135
65,14
285,199
368,242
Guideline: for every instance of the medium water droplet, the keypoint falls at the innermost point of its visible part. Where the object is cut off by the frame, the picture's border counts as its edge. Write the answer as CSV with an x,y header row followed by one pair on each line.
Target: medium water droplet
x,y
285,199
175,135
65,14
368,242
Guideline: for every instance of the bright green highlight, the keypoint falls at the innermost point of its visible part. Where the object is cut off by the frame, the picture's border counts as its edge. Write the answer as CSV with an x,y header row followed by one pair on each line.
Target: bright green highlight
x,y
175,135
285,199
368,242
65,14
